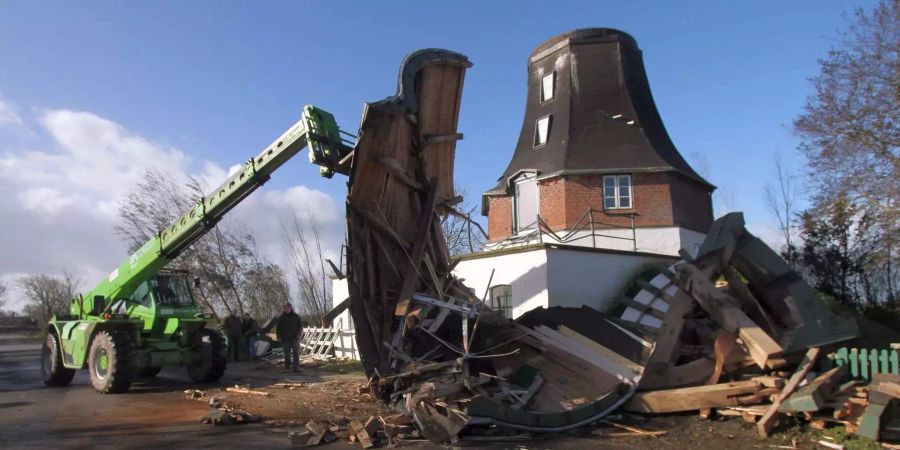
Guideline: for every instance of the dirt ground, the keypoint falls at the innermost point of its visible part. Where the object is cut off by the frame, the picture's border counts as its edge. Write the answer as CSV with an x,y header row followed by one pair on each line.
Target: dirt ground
x,y
335,398
155,413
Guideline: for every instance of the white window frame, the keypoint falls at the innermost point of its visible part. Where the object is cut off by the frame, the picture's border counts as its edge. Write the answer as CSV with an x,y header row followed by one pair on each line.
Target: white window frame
x,y
497,304
544,97
524,177
537,127
618,196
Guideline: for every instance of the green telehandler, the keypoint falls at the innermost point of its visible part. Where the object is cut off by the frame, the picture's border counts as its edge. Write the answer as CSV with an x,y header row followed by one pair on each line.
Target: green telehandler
x,y
143,317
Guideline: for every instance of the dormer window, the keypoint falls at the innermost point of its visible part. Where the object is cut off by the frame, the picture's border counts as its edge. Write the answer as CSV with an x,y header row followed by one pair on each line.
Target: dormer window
x,y
548,85
525,202
617,192
541,131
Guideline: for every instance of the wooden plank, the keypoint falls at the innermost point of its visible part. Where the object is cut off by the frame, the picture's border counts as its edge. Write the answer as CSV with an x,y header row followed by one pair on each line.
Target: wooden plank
x,y
600,349
870,422
724,344
691,398
644,309
695,372
886,383
526,398
724,310
411,274
765,424
812,397
666,344
439,88
748,300
359,430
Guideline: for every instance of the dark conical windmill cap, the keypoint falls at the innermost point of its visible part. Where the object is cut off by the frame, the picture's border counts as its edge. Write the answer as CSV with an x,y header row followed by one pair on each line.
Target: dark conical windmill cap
x,y
604,119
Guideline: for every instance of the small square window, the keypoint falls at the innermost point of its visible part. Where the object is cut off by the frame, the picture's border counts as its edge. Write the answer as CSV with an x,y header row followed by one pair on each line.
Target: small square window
x,y
548,86
501,300
617,192
541,131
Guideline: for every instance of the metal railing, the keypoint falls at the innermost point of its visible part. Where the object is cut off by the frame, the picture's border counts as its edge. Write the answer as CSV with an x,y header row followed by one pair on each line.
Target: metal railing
x,y
542,232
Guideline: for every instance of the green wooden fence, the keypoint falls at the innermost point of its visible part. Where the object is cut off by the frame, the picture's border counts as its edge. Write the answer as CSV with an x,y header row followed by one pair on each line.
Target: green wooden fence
x,y
864,362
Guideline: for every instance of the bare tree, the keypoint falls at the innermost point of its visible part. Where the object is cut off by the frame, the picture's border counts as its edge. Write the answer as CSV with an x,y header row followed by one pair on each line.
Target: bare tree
x,y
222,259
265,289
304,245
463,234
850,137
781,198
3,289
46,295
849,127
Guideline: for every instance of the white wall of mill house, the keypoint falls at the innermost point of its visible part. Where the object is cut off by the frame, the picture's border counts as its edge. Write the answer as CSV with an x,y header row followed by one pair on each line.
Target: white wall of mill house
x,y
539,276
595,278
524,271
545,276
345,346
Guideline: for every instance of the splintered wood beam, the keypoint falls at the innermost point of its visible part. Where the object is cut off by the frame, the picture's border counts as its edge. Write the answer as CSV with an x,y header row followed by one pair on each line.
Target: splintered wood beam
x,y
725,311
411,274
692,398
393,166
697,371
767,422
812,397
665,347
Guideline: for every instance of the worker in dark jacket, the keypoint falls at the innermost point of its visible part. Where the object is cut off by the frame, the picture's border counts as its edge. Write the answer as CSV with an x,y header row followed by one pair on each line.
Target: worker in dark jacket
x,y
288,329
249,329
233,330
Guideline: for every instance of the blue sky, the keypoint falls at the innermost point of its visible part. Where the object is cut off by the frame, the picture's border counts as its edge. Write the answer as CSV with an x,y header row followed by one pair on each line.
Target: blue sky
x,y
211,82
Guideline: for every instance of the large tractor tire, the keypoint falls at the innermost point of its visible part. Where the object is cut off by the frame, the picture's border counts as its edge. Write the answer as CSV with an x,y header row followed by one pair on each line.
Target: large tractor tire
x,y
211,355
149,372
52,369
110,362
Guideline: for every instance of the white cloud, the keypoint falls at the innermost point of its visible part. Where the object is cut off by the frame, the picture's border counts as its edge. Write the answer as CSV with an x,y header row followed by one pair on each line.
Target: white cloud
x,y
8,116
61,194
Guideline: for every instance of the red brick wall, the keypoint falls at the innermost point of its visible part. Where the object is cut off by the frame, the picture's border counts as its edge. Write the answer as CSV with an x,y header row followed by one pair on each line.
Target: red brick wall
x,y
553,204
651,202
499,217
660,199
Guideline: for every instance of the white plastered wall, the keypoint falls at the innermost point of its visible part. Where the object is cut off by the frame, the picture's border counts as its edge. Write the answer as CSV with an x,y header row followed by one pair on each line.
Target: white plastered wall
x,y
345,345
525,272
595,279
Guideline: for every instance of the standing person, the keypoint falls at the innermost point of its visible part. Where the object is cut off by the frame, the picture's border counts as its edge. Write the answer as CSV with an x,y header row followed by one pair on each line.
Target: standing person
x,y
248,330
288,330
232,328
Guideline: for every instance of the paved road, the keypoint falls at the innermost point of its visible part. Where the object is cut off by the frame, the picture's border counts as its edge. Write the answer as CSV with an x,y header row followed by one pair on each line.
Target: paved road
x,y
153,414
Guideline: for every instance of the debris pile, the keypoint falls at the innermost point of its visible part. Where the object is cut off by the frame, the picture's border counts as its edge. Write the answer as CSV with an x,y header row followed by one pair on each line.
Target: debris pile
x,y
733,328
221,412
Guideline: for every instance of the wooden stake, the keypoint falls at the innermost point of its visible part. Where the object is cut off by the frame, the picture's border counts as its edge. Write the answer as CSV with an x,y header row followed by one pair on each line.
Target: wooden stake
x,y
765,424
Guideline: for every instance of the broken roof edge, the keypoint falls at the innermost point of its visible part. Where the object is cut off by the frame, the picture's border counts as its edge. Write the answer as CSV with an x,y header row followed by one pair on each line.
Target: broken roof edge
x,y
412,64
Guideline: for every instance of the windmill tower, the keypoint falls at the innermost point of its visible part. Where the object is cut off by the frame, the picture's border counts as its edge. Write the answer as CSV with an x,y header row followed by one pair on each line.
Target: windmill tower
x,y
594,165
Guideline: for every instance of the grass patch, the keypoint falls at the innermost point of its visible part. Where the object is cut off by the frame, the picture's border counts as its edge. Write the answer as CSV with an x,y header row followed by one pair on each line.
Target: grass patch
x,y
839,435
342,366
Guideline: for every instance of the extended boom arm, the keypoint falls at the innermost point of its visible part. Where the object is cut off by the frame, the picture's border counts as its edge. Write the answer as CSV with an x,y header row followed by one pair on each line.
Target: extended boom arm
x,y
316,129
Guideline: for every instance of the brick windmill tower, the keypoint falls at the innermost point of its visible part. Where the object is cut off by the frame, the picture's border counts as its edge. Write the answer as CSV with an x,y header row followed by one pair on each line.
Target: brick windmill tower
x,y
594,176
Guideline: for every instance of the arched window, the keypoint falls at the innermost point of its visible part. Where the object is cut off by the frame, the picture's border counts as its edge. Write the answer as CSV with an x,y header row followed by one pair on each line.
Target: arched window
x,y
501,299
